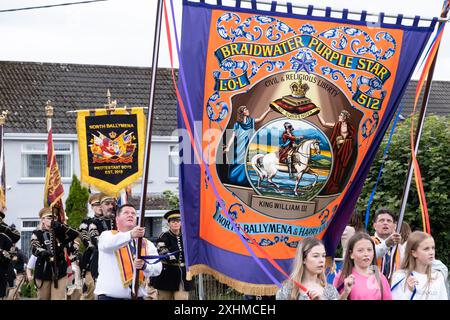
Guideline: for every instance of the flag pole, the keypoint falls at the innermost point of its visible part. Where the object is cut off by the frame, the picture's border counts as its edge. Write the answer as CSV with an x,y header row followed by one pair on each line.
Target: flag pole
x,y
149,136
49,115
2,162
52,174
419,128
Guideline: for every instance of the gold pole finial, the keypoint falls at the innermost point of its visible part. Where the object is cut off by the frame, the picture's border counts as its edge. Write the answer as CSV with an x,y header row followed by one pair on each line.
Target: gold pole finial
x,y
3,117
112,104
48,109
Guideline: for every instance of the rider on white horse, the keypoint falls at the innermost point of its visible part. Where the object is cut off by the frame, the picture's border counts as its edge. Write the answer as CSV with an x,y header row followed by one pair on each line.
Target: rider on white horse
x,y
287,147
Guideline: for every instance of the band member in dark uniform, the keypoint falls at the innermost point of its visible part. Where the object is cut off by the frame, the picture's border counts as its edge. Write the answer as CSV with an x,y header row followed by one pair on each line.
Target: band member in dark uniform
x,y
48,242
18,260
109,207
98,225
8,236
86,259
171,283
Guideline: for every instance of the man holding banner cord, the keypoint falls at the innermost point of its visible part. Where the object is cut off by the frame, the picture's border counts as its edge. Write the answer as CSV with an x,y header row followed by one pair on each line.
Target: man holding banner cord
x,y
48,242
118,261
386,238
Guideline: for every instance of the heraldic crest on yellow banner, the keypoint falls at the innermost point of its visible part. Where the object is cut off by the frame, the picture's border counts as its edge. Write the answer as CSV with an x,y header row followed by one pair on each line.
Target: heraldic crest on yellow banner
x,y
111,147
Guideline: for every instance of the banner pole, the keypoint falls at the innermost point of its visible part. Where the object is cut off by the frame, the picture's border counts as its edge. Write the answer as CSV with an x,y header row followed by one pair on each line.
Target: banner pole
x,y
2,162
148,137
201,290
419,129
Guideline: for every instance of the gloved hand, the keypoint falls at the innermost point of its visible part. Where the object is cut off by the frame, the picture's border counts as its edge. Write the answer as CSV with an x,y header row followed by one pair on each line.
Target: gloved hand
x,y
5,255
162,249
44,253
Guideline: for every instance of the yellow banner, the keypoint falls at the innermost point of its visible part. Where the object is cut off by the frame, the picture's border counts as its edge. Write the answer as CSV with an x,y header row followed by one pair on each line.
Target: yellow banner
x,y
111,146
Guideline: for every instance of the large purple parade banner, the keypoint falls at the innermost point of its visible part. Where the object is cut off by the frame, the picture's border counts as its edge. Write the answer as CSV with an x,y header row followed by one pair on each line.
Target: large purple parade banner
x,y
289,109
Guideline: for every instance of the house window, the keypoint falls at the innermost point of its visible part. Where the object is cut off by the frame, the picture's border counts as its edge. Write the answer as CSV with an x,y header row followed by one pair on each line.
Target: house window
x,y
174,161
153,227
25,235
34,159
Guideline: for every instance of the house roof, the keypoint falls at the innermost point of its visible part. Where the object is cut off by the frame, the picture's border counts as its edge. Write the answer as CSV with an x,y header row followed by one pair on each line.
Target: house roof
x,y
153,201
26,86
438,103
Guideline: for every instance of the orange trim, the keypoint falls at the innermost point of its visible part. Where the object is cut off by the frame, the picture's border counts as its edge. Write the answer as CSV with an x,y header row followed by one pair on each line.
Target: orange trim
x,y
126,263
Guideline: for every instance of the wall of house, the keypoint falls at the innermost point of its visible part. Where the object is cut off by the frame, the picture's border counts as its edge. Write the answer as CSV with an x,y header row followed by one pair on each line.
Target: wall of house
x,y
24,196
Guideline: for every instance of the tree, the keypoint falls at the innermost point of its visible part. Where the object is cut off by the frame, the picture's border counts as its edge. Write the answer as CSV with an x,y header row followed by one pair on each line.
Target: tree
x,y
172,199
434,165
76,203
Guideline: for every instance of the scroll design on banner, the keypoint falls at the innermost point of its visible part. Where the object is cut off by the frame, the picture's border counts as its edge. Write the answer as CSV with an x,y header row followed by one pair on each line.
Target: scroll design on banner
x,y
363,98
335,73
280,230
273,25
371,47
369,125
217,110
303,45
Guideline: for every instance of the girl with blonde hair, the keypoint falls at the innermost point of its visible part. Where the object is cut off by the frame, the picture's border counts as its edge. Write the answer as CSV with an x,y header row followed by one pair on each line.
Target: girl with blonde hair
x,y
416,280
308,270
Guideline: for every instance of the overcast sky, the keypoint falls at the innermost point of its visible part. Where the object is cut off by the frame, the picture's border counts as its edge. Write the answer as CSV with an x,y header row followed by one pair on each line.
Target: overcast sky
x,y
120,32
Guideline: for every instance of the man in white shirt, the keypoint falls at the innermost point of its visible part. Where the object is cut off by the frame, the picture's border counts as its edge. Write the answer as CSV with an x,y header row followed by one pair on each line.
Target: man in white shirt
x,y
117,258
386,239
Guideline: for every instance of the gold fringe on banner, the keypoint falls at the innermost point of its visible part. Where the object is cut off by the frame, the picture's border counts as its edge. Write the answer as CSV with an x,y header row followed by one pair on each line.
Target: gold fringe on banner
x,y
239,286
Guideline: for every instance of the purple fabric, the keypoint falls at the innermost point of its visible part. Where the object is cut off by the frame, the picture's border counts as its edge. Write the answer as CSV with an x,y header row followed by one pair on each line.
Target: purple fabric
x,y
193,55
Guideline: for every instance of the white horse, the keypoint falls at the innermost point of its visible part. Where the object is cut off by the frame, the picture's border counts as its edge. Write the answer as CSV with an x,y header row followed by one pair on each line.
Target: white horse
x,y
267,165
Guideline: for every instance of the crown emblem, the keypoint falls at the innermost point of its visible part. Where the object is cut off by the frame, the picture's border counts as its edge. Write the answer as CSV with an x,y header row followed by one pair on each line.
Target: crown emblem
x,y
299,89
112,135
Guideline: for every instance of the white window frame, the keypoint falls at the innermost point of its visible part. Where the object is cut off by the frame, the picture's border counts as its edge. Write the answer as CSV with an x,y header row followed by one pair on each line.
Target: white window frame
x,y
24,151
27,229
171,154
23,228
